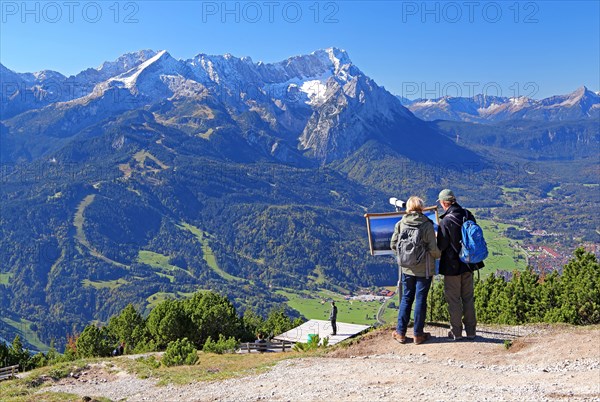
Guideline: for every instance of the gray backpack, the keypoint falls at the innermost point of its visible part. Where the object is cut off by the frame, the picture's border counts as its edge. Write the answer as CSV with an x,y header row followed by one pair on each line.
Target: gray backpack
x,y
411,248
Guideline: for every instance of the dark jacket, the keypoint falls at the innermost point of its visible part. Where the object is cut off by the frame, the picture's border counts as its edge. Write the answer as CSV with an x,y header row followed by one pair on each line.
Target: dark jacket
x,y
449,238
425,226
333,313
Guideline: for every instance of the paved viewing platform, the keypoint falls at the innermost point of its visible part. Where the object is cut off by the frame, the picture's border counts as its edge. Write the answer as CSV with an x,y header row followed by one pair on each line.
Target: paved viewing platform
x,y
323,329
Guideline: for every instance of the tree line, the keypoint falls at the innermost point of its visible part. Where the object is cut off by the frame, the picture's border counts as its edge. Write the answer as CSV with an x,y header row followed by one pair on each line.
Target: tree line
x,y
206,321
209,321
573,297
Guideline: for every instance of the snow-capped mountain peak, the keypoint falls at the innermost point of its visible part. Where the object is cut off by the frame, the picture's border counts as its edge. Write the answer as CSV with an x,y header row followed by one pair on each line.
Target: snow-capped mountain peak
x,y
126,62
44,75
319,103
574,97
154,78
338,57
580,104
129,78
518,101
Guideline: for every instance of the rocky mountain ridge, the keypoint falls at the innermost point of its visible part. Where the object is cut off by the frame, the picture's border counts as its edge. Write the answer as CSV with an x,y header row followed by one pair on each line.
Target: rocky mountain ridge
x,y
318,106
578,105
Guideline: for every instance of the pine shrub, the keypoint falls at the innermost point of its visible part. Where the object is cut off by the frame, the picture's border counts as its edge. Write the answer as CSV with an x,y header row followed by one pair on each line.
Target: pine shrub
x,y
180,352
223,345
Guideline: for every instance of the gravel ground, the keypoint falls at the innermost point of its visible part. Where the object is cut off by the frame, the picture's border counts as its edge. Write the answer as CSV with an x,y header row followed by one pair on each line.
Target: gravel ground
x,y
545,363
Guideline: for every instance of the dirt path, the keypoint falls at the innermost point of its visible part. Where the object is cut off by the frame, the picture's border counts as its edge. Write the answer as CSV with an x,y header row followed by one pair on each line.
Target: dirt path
x,y
546,363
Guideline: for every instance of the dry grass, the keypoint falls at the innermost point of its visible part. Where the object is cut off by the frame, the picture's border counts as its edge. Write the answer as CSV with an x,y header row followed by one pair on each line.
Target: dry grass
x,y
210,367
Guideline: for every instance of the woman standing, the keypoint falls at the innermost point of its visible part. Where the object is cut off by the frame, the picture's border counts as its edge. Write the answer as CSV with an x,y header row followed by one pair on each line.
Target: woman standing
x,y
415,246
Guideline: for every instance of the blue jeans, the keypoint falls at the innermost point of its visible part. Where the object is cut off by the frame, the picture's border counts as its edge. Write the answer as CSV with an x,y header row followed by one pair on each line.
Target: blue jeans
x,y
413,287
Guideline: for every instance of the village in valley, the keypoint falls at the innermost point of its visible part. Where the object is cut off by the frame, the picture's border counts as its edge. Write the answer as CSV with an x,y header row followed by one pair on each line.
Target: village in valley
x,y
545,259
542,259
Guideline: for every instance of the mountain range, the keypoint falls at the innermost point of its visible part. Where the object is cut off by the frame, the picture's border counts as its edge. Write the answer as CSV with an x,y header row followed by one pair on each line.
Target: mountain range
x,y
150,177
318,107
578,105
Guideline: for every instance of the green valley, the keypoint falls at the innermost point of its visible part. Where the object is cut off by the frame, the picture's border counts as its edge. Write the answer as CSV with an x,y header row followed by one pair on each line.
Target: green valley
x,y
315,305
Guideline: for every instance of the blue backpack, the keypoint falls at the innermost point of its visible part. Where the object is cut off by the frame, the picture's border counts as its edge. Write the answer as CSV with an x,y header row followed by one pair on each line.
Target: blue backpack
x,y
473,246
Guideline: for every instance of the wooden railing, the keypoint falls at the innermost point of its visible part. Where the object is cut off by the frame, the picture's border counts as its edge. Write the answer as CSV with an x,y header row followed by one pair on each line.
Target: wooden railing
x,y
9,372
266,346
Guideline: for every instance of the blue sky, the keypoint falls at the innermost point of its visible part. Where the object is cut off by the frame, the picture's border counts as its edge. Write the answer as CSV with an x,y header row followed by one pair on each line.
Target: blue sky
x,y
413,48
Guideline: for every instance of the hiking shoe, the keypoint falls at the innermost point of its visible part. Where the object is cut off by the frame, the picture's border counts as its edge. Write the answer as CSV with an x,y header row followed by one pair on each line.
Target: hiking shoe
x,y
471,337
399,337
419,339
454,337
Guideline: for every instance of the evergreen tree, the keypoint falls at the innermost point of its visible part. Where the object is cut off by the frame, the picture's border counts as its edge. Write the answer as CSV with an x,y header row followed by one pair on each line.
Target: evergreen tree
x,y
550,296
252,324
572,298
52,356
520,302
18,355
127,327
211,315
490,298
277,323
436,302
95,342
4,354
180,352
168,322
580,290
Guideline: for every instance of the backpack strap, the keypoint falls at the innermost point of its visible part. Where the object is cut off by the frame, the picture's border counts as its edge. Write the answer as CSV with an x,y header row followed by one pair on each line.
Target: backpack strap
x,y
460,225
427,256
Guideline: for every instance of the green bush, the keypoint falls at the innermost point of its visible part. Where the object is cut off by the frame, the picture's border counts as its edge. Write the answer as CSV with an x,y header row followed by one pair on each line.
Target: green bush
x,y
277,322
167,322
149,361
223,345
436,302
180,352
38,360
16,354
210,314
312,344
128,327
527,298
95,342
146,344
579,300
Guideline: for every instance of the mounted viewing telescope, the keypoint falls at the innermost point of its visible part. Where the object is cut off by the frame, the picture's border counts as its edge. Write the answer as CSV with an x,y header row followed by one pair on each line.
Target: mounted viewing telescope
x,y
399,204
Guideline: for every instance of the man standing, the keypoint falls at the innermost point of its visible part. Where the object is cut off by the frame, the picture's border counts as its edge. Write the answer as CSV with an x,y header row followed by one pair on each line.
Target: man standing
x,y
333,318
458,276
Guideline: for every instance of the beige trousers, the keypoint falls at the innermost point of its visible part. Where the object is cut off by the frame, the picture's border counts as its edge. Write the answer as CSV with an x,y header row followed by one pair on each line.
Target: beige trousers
x,y
459,294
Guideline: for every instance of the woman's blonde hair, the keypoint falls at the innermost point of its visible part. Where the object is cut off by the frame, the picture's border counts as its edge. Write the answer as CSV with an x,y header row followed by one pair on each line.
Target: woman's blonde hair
x,y
414,204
